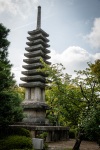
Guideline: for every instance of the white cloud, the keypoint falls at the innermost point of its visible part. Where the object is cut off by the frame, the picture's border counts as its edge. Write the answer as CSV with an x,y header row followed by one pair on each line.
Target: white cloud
x,y
94,36
18,7
73,58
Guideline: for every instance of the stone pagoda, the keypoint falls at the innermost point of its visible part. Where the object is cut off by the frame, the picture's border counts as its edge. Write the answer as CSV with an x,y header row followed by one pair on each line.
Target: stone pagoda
x,y
34,105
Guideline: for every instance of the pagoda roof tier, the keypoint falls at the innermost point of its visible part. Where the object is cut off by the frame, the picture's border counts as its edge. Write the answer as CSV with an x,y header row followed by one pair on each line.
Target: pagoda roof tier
x,y
33,84
33,78
37,31
32,66
32,60
34,72
38,41
47,57
35,60
36,53
46,51
38,36
37,47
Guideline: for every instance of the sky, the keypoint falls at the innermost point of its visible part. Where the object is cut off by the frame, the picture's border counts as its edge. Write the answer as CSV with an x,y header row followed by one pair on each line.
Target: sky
x,y
73,27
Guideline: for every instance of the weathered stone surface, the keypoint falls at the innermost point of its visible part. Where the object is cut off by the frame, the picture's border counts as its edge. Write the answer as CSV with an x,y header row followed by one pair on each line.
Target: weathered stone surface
x,y
32,60
47,57
33,84
35,54
39,18
33,78
38,36
35,94
34,48
36,60
33,72
38,41
37,31
38,143
32,66
55,133
34,104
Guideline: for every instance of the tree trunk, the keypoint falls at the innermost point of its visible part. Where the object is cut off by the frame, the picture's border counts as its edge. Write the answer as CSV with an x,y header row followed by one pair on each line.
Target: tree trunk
x,y
78,141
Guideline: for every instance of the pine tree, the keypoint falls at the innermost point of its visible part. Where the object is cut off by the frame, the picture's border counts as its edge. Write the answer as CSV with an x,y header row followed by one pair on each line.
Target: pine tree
x,y
10,110
6,78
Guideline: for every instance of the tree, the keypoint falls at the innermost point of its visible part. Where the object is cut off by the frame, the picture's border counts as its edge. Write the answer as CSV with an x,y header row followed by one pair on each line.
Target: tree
x,y
6,78
74,101
10,110
62,97
89,119
90,89
95,68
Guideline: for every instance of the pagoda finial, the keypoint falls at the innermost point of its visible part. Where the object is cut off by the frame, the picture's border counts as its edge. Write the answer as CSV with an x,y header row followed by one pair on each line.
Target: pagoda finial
x,y
39,17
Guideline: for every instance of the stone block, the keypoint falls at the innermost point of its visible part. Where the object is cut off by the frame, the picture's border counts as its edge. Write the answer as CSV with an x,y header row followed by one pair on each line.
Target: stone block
x,y
38,143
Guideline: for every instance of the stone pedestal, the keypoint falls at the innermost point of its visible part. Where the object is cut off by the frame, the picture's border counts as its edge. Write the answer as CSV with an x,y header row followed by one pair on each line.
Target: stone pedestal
x,y
54,133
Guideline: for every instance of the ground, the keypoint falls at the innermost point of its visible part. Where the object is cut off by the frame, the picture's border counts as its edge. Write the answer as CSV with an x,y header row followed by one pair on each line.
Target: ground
x,y
64,145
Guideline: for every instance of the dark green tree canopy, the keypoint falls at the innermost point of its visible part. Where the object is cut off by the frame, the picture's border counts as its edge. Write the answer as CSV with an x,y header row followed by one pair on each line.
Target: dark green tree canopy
x,y
6,77
4,43
10,110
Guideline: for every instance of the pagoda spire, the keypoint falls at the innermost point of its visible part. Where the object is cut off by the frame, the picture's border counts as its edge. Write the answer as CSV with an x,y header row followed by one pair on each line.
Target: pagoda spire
x,y
39,18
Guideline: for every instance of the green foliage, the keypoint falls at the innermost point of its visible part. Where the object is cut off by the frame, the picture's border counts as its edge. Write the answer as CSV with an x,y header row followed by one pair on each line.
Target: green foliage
x,y
95,68
43,135
91,124
89,118
73,102
10,109
23,149
6,77
16,142
10,130
62,96
72,133
20,91
45,147
4,43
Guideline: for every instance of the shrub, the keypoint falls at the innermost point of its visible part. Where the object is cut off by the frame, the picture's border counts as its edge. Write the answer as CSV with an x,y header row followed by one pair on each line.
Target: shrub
x,y
16,142
45,147
43,135
20,131
4,132
91,124
72,133
23,149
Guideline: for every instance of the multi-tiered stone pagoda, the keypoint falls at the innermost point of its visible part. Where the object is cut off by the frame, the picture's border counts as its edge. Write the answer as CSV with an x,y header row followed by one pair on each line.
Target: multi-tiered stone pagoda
x,y
34,81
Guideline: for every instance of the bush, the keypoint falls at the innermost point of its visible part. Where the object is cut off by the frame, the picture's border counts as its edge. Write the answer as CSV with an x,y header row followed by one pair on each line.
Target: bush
x,y
23,149
4,132
16,142
72,133
91,124
20,131
45,147
43,135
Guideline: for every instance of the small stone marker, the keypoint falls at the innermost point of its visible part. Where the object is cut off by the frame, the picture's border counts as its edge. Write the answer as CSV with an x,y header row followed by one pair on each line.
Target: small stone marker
x,y
38,143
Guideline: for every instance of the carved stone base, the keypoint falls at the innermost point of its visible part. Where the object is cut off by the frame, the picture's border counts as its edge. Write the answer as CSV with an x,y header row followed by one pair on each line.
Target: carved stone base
x,y
34,112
